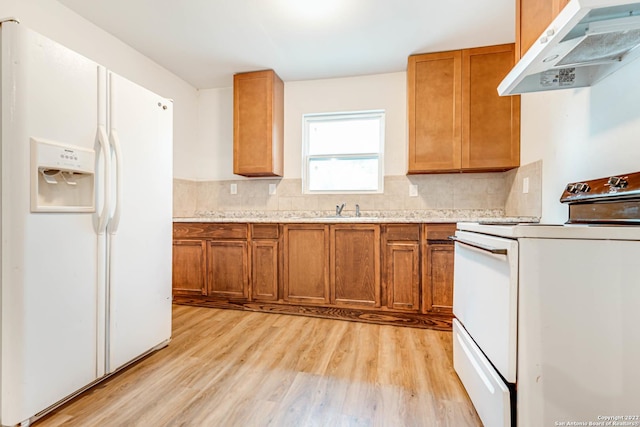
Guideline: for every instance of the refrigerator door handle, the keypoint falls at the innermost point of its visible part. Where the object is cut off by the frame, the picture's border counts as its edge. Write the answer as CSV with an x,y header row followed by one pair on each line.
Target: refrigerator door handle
x,y
103,140
115,144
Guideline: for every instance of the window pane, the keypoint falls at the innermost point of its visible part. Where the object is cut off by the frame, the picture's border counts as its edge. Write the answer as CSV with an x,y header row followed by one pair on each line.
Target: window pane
x,y
346,136
337,174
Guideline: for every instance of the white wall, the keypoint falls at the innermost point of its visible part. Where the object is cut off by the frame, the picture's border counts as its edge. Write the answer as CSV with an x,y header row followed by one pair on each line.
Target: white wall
x,y
381,91
582,134
59,23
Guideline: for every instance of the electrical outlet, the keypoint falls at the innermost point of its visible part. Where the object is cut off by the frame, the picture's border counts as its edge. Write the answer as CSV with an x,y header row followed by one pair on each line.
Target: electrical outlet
x,y
233,188
272,189
525,185
413,190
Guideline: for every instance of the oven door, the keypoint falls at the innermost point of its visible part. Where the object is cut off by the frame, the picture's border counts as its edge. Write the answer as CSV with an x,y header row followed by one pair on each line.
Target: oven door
x,y
485,296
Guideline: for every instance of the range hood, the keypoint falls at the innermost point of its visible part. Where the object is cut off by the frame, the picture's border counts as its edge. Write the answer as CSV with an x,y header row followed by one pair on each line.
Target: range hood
x,y
587,41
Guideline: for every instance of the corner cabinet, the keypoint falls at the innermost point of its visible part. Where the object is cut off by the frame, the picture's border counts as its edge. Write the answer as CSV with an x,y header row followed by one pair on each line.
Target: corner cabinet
x,y
258,124
211,259
532,18
457,121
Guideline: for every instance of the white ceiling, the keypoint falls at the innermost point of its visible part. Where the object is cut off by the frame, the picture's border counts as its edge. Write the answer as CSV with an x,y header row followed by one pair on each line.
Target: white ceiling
x,y
206,41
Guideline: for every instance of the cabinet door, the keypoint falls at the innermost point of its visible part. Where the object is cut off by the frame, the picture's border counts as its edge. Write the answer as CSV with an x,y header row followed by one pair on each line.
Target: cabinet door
x,y
355,265
189,267
402,278
490,123
437,280
434,109
228,269
532,18
306,263
258,119
264,270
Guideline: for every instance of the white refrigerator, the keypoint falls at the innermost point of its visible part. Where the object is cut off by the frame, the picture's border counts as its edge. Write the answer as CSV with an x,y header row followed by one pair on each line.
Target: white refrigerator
x,y
86,214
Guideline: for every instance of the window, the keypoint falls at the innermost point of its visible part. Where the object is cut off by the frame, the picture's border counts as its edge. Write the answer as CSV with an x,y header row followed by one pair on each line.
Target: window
x,y
342,152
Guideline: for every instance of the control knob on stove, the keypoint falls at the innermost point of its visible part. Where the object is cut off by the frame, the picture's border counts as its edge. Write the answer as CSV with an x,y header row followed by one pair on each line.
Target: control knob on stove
x,y
583,187
578,187
616,182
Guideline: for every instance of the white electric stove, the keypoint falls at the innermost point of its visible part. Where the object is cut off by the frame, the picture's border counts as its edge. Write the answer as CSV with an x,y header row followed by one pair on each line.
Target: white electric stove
x,y
547,328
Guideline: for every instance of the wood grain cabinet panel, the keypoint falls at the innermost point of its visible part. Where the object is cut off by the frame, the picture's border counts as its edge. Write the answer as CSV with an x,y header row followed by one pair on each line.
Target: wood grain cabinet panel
x,y
264,270
189,267
402,275
532,18
434,96
355,265
228,269
437,269
491,123
457,120
401,266
306,263
258,124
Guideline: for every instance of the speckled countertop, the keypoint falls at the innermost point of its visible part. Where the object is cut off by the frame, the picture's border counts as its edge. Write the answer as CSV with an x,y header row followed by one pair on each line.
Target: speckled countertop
x,y
418,216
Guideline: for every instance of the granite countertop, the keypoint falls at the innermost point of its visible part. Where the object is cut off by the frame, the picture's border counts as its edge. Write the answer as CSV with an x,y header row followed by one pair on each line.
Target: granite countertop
x,y
367,217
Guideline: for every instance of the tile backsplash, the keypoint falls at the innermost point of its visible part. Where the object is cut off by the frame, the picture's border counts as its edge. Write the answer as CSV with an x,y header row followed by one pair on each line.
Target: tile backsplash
x,y
489,191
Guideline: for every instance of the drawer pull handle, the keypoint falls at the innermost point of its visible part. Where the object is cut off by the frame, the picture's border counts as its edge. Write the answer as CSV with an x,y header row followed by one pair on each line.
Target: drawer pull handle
x,y
480,246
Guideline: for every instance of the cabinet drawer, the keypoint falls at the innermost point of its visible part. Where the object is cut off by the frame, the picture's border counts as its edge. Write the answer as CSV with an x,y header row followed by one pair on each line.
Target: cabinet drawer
x,y
196,230
264,231
402,232
439,231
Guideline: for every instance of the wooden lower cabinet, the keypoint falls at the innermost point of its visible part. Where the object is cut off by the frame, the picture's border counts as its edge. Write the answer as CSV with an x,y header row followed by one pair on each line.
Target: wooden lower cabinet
x,y
355,265
401,244
437,269
399,274
306,263
264,270
402,275
228,269
189,267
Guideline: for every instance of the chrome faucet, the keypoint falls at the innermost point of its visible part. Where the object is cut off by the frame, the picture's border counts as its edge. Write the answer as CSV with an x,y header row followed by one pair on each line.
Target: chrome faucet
x,y
357,210
339,209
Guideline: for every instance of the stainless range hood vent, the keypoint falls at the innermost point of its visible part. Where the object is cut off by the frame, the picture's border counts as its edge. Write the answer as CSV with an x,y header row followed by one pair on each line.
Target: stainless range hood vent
x,y
589,40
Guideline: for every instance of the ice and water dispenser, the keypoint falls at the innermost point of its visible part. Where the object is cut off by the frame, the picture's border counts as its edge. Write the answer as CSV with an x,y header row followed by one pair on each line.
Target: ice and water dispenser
x,y
62,177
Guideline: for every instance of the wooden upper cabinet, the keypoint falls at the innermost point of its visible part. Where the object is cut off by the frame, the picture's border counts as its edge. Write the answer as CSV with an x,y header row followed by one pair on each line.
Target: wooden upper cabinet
x,y
490,123
258,124
532,18
457,120
434,96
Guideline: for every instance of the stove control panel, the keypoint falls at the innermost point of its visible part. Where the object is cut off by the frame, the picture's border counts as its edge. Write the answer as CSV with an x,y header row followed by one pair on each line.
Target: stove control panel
x,y
610,200
611,187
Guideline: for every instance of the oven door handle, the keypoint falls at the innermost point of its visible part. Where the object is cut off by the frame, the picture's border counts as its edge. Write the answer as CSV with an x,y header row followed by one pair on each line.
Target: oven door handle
x,y
480,246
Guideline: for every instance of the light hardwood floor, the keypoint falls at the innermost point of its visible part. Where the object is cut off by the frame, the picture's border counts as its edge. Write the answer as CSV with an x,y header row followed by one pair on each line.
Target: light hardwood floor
x,y
234,368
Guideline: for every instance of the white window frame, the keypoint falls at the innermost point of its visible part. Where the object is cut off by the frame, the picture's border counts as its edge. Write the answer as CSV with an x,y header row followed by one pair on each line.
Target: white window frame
x,y
347,115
